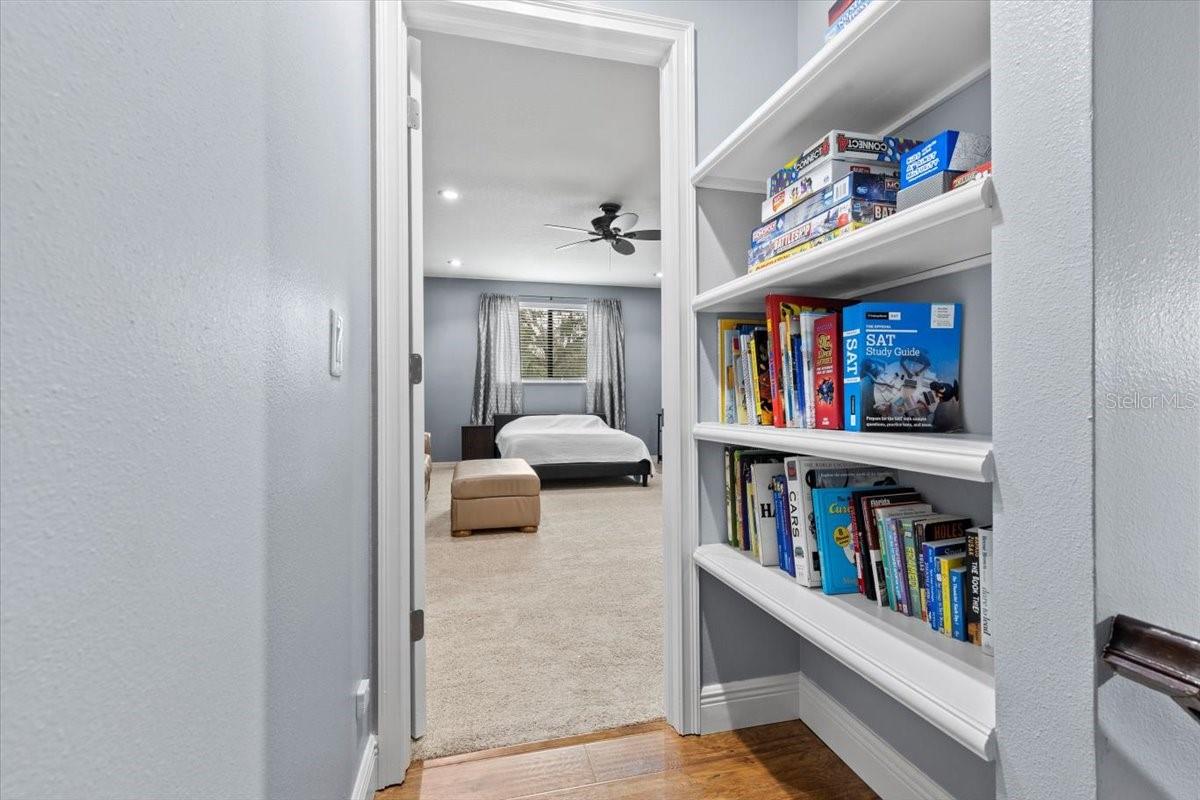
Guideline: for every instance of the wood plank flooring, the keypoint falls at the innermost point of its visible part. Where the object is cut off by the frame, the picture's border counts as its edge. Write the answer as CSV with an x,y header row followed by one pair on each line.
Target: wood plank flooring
x,y
644,762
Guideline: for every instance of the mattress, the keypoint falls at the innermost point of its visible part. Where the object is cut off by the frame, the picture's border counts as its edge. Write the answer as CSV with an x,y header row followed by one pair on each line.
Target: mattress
x,y
568,439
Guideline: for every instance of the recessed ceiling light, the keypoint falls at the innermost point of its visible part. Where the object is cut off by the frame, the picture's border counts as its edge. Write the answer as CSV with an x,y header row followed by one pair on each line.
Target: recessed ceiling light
x,y
455,262
658,274
448,194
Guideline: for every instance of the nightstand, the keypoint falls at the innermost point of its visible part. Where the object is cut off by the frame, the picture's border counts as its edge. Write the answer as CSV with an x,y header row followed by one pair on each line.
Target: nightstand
x,y
477,442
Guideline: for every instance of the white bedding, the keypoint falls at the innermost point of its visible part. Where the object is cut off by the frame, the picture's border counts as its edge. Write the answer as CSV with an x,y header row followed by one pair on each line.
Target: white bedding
x,y
568,439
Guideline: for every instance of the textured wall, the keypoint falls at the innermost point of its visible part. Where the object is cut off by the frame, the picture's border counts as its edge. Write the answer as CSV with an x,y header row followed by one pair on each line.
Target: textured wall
x,y
1042,368
745,50
1147,334
451,320
185,551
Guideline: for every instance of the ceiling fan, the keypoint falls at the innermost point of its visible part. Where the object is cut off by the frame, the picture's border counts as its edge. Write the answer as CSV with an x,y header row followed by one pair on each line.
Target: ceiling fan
x,y
613,227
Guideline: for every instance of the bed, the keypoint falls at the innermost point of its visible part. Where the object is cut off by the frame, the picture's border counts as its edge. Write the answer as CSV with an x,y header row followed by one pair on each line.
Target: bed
x,y
560,446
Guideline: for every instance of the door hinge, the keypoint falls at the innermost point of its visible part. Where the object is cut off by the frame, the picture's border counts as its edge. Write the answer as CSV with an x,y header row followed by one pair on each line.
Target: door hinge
x,y
416,368
416,624
414,113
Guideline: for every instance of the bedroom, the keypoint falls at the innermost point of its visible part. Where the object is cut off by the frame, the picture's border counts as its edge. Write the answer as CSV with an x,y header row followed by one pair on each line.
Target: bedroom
x,y
542,347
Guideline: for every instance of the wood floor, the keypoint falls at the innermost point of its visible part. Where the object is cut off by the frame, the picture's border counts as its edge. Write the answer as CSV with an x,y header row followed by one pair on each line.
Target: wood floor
x,y
644,762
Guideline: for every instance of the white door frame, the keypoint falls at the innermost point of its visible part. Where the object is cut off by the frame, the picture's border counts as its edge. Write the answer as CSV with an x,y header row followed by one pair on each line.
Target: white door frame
x,y
580,29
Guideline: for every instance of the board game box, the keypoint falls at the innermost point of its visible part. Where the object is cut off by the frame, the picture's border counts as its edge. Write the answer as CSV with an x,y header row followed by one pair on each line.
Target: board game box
x,y
849,211
984,170
833,171
900,367
949,150
927,189
863,186
839,144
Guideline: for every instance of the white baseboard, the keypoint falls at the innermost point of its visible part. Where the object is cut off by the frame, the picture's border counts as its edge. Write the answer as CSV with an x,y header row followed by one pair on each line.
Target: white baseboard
x,y
881,766
364,781
744,704
778,698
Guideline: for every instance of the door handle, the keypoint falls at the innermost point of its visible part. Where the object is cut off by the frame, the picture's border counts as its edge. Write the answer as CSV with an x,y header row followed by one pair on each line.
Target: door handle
x,y
1164,660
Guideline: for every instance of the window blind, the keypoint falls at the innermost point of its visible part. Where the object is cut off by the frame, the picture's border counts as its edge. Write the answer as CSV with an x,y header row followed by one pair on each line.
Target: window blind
x,y
553,342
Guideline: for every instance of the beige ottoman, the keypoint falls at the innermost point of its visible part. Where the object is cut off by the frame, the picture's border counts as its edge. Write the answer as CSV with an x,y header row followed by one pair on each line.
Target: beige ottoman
x,y
491,493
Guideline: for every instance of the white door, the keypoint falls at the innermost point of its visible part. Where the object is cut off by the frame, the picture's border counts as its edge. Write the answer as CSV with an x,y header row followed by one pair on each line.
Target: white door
x,y
416,333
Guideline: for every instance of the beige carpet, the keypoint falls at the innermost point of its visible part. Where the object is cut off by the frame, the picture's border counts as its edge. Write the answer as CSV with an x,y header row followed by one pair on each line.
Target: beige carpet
x,y
549,634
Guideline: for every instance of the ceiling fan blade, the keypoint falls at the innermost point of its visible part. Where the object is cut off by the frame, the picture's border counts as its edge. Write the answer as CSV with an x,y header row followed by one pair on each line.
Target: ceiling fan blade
x,y
623,247
572,244
623,222
645,236
569,228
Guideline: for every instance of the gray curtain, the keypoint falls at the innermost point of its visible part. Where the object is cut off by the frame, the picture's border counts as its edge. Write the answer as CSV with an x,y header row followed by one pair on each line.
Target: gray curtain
x,y
498,359
606,362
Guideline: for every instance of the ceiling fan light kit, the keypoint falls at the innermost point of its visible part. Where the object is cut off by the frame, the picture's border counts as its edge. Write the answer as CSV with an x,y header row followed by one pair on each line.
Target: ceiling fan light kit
x,y
611,226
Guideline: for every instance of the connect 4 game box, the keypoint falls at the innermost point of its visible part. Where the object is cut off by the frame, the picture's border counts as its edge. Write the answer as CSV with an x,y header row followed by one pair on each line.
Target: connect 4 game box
x,y
900,366
844,145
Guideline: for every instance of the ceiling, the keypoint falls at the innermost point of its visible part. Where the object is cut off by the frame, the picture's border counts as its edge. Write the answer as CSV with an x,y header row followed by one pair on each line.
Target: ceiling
x,y
528,137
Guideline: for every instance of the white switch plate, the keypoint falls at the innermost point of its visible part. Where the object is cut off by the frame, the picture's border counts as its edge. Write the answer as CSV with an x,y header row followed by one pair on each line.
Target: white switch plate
x,y
336,335
362,699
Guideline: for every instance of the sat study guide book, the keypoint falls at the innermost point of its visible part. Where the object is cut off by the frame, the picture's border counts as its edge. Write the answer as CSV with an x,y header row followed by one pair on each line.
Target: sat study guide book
x,y
900,367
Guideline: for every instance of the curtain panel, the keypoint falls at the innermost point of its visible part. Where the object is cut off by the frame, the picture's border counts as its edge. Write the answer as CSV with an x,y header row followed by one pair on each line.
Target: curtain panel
x,y
606,362
498,387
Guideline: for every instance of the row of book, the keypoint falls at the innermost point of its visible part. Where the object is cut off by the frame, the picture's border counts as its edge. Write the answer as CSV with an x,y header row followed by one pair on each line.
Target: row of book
x,y
841,13
845,181
849,528
814,362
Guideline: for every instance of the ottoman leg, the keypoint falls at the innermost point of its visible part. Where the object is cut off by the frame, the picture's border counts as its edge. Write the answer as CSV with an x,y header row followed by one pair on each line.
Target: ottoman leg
x,y
529,529
460,533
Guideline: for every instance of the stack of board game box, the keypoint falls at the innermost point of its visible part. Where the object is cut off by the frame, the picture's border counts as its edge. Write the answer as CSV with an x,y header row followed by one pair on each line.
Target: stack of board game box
x,y
848,528
945,162
817,362
843,181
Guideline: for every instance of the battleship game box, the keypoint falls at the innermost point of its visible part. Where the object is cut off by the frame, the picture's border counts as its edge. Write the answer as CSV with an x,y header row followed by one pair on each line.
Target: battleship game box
x,y
900,367
817,182
851,210
844,145
876,188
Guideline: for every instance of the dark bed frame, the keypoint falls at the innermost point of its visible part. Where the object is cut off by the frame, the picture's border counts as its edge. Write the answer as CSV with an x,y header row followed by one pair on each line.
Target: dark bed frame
x,y
579,469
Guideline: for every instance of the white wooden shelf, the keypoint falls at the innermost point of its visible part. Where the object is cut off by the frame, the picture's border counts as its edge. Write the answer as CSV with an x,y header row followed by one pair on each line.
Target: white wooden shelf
x,y
949,233
946,682
896,60
952,455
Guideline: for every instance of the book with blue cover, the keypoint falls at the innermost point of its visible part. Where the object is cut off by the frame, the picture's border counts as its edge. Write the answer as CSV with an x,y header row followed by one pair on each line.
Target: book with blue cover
x,y
831,508
931,552
958,625
783,534
901,365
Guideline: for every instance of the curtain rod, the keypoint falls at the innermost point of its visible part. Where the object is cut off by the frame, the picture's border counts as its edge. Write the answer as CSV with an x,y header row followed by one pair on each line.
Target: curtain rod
x,y
552,297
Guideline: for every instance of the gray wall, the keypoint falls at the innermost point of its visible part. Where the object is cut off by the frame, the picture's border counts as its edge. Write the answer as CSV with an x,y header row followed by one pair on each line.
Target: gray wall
x,y
185,532
1042,427
745,50
1147,468
451,320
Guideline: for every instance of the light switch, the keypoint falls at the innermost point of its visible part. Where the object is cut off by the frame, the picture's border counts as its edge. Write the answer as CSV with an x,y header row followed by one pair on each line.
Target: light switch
x,y
336,335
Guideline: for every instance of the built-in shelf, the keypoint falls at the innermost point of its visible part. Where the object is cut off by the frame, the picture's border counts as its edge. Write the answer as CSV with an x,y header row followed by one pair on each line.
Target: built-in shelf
x,y
946,682
949,233
896,60
952,455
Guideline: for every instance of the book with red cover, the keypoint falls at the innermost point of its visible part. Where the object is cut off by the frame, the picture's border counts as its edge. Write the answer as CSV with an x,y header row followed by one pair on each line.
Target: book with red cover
x,y
774,301
827,372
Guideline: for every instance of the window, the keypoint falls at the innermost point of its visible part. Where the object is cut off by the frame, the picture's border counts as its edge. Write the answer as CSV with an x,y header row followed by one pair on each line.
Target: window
x,y
553,342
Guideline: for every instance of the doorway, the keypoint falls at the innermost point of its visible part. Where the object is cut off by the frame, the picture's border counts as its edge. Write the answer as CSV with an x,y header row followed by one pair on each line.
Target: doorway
x,y
601,33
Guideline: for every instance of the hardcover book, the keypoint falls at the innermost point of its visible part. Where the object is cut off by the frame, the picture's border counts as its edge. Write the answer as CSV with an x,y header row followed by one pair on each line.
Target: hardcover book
x,y
863,505
762,475
887,566
945,563
832,511
727,336
985,586
932,552
827,372
958,627
900,367
805,473
781,310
